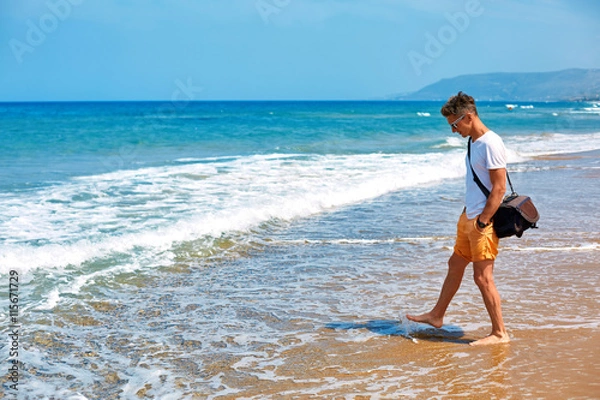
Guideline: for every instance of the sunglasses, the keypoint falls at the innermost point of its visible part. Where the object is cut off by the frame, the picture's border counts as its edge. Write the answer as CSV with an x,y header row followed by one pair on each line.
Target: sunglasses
x,y
457,121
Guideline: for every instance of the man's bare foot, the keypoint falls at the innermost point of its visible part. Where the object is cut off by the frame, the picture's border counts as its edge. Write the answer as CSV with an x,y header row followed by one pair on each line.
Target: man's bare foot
x,y
426,318
491,339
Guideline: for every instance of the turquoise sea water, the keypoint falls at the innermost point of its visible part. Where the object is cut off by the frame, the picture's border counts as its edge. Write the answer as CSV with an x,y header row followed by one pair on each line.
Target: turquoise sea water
x,y
49,142
238,215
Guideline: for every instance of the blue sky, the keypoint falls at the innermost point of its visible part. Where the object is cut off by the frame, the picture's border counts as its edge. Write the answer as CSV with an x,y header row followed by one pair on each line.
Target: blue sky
x,y
279,49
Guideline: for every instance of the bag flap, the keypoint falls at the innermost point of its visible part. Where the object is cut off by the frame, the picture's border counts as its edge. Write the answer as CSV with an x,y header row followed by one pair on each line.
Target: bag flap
x,y
525,206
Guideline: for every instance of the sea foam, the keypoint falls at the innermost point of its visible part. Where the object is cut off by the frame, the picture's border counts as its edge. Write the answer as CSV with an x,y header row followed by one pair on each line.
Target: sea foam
x,y
127,213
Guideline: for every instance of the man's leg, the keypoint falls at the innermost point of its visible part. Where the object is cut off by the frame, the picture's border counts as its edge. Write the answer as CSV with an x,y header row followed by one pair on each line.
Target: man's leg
x,y
483,273
456,270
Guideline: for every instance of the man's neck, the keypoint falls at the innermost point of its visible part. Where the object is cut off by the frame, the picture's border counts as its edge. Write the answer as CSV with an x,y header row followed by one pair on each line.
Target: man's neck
x,y
479,129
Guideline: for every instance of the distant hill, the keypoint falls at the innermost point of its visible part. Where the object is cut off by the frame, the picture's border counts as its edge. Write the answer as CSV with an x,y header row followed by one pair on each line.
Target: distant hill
x,y
566,85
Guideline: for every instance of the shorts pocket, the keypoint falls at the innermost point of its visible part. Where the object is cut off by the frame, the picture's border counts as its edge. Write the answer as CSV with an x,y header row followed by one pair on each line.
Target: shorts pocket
x,y
479,231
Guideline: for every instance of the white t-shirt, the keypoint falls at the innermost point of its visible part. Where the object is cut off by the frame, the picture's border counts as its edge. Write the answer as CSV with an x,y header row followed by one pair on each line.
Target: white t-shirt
x,y
487,152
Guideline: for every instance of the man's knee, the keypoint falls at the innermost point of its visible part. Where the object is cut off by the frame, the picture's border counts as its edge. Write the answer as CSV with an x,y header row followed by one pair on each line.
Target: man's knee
x,y
481,280
483,273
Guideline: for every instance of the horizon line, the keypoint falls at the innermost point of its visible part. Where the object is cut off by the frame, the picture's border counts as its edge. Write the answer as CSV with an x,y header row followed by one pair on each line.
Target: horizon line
x,y
285,100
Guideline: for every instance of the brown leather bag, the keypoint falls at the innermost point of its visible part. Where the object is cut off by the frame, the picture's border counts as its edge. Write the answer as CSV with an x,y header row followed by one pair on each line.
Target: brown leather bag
x,y
515,215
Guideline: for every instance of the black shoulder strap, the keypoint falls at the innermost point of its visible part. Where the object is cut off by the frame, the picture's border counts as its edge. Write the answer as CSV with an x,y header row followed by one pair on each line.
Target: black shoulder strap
x,y
485,190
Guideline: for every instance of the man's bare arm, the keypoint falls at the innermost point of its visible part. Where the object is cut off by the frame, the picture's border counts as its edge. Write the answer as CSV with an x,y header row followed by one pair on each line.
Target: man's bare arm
x,y
498,178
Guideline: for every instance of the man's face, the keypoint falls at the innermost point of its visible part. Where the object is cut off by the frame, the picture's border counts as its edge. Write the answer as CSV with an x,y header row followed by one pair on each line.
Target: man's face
x,y
457,123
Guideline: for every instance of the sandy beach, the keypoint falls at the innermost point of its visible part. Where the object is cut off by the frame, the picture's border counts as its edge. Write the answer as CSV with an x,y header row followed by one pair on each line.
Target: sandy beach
x,y
539,363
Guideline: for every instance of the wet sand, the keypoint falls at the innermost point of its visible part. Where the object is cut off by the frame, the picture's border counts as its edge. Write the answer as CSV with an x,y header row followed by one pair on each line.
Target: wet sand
x,y
538,363
375,360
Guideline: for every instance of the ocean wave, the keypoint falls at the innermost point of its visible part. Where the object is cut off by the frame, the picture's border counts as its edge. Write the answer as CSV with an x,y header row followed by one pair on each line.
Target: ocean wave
x,y
524,147
451,142
130,213
527,146
582,247
152,209
357,242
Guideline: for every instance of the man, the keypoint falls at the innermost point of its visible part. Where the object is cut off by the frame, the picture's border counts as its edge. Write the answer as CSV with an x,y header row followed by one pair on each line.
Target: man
x,y
476,240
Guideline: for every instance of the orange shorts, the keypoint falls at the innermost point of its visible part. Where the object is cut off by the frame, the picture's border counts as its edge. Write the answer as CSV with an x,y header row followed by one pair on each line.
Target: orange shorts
x,y
472,244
